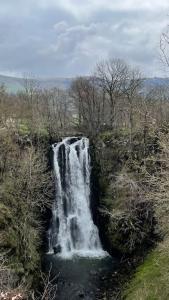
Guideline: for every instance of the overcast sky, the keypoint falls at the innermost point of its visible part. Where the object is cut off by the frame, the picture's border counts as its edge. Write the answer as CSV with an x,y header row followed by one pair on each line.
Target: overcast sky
x,y
63,38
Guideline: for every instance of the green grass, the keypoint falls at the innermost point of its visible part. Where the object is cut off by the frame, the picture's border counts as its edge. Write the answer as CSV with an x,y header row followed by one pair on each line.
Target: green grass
x,y
151,280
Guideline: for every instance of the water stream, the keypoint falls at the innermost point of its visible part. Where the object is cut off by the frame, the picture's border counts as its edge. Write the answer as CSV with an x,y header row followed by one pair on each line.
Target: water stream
x,y
76,257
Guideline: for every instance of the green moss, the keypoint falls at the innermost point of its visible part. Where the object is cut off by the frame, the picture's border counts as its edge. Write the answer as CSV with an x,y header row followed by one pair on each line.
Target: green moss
x,y
42,131
106,136
23,129
115,134
151,278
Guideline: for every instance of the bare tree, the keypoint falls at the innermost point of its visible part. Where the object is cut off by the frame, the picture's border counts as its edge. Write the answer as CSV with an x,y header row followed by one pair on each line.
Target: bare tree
x,y
50,288
164,47
112,75
131,90
30,85
55,109
89,101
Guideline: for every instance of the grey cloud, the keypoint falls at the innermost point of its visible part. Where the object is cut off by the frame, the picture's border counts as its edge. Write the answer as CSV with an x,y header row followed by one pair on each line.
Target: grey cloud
x,y
49,40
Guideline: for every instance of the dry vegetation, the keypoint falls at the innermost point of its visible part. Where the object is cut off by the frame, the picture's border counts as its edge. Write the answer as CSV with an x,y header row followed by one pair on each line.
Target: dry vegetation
x,y
26,191
151,278
129,126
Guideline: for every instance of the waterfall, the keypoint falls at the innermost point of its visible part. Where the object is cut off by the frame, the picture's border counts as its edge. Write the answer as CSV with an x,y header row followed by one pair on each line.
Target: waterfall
x,y
72,230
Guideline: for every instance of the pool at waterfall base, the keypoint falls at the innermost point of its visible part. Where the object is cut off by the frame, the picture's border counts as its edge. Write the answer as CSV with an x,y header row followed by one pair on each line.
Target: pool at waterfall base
x,y
82,277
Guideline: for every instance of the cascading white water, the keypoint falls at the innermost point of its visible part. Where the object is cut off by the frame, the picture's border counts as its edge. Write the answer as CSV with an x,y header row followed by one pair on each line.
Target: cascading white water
x,y
72,230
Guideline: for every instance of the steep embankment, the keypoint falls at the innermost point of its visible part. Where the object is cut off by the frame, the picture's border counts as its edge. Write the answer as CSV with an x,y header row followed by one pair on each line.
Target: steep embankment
x,y
26,190
134,187
126,216
151,277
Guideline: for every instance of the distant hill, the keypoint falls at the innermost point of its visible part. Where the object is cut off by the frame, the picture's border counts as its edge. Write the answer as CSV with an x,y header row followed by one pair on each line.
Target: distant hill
x,y
14,84
156,81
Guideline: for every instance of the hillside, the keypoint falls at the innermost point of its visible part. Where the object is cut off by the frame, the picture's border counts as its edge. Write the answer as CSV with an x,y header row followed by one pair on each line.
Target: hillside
x,y
15,84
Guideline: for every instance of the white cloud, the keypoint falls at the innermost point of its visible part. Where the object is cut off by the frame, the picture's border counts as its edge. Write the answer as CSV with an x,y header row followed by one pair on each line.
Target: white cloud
x,y
60,26
84,9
